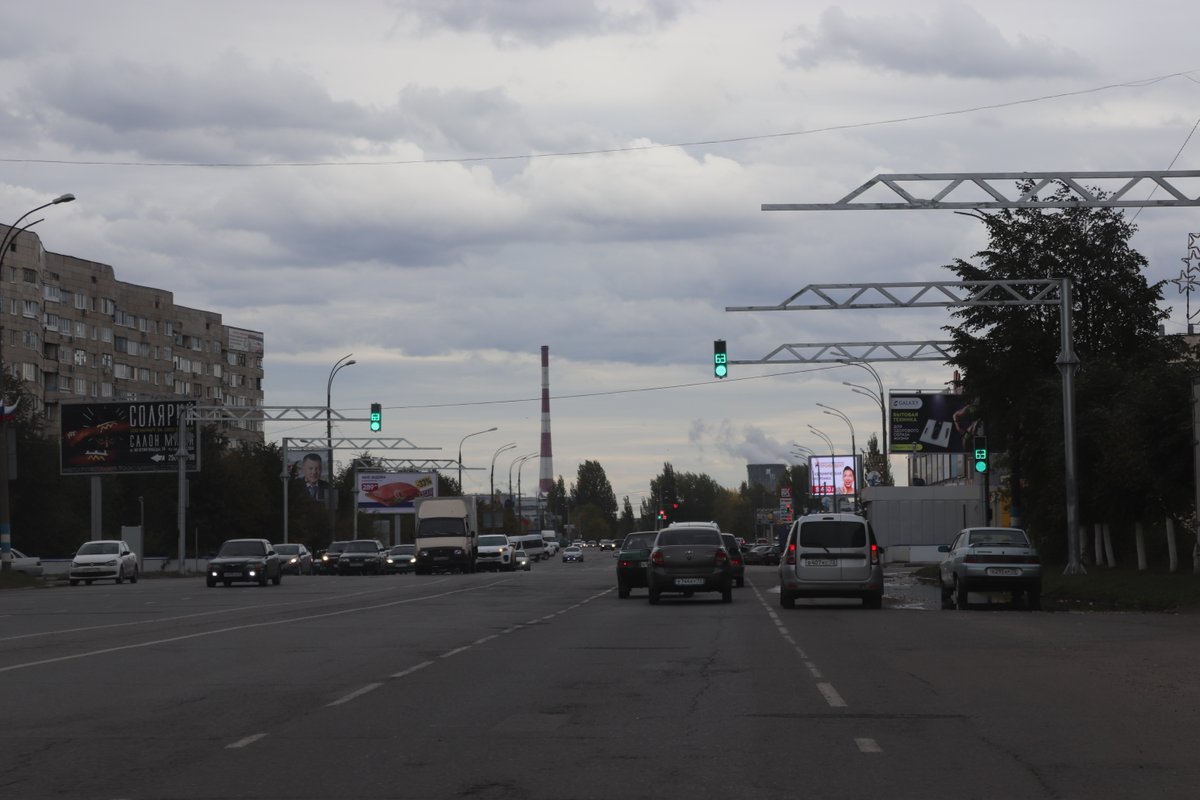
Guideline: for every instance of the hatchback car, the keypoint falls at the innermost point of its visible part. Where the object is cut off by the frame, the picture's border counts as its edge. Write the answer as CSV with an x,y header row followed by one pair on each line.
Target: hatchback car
x,y
297,560
101,560
572,553
362,555
401,558
633,558
689,560
253,560
990,560
831,555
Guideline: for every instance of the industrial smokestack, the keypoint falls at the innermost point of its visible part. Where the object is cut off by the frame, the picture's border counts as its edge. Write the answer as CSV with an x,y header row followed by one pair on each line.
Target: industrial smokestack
x,y
546,474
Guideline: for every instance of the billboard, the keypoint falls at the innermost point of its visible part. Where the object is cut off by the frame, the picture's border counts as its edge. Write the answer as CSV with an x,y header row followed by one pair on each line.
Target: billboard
x,y
311,472
832,475
932,422
140,436
393,492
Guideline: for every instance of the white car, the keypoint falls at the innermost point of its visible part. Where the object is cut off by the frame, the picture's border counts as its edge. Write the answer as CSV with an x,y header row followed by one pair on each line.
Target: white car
x,y
103,560
30,565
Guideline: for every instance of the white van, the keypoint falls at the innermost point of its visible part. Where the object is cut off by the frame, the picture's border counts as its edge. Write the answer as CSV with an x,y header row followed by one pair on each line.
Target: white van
x,y
532,544
550,542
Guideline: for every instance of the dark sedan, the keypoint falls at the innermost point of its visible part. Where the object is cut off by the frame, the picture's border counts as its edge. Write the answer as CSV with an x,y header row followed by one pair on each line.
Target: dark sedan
x,y
253,560
362,555
297,560
326,561
401,558
633,557
689,560
762,555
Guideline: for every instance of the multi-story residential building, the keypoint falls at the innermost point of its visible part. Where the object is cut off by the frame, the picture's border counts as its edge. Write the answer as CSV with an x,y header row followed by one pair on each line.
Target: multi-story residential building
x,y
73,332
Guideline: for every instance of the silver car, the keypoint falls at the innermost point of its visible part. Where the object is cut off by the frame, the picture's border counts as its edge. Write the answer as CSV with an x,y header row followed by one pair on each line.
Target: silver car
x,y
990,560
831,555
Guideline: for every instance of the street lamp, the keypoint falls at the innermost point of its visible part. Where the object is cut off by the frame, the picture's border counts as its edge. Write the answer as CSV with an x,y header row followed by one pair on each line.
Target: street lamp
x,y
519,468
344,361
512,464
833,412
492,482
828,442
10,236
460,444
883,444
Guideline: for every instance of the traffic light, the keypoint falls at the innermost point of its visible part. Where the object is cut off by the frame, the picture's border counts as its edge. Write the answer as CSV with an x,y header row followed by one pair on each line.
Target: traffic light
x,y
376,418
720,362
981,454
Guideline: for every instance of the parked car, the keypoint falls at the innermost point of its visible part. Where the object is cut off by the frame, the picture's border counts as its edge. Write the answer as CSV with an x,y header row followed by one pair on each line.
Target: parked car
x,y
103,560
990,560
736,564
831,555
633,558
253,560
297,560
326,560
362,555
572,553
689,560
30,565
400,558
523,560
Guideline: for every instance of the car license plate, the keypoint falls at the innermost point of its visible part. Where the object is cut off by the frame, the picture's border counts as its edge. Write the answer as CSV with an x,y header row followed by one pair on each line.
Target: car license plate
x,y
689,581
642,564
820,562
1003,572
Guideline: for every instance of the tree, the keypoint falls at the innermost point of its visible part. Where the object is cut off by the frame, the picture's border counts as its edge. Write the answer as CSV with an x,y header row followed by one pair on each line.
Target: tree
x,y
592,488
1008,358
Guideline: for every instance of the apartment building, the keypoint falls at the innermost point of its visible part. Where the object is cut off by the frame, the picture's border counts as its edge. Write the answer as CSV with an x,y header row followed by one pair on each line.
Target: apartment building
x,y
73,333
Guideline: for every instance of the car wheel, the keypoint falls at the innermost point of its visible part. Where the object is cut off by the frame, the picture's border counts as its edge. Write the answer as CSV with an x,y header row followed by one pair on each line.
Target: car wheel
x,y
74,581
960,595
947,594
212,582
120,575
622,590
786,598
133,578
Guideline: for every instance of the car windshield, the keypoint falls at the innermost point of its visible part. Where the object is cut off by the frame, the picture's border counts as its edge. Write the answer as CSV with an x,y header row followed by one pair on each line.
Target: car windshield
x,y
287,549
833,533
99,548
688,536
638,541
337,547
492,541
1005,538
363,546
242,548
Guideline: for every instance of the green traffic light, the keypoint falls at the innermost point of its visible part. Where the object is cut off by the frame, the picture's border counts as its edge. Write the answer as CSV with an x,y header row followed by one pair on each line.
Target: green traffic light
x,y
376,418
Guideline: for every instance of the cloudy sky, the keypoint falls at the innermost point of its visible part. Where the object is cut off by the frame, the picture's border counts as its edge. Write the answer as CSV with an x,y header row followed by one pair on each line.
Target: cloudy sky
x,y
440,187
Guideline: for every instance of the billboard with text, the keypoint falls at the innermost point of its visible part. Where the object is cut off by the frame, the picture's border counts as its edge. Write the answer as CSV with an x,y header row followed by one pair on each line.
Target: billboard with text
x,y
394,492
128,436
934,422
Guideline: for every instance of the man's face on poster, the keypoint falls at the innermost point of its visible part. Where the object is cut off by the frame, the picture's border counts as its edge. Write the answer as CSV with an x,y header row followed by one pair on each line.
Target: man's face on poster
x,y
311,468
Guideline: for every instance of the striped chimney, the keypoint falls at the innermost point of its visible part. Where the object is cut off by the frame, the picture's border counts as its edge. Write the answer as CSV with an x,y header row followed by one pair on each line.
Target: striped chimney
x,y
546,474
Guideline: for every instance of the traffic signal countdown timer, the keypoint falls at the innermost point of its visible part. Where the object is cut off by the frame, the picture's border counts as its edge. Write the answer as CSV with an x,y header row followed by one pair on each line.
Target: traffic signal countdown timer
x,y
720,362
376,417
981,454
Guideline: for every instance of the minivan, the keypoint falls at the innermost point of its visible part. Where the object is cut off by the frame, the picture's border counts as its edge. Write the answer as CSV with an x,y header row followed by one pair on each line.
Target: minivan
x,y
831,555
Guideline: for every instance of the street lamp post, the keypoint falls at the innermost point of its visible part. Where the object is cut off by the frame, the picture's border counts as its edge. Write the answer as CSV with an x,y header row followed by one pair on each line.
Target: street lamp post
x,y
10,236
344,361
460,444
519,468
492,482
829,442
882,400
833,412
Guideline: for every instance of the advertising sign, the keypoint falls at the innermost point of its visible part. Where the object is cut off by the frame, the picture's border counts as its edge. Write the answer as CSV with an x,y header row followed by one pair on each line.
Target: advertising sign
x,y
311,471
931,423
833,475
132,436
393,492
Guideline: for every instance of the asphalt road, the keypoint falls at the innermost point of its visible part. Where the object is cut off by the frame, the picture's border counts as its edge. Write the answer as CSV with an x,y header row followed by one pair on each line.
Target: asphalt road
x,y
545,685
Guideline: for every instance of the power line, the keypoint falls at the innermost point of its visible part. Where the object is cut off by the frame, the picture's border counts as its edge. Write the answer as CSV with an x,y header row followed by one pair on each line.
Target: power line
x,y
1139,83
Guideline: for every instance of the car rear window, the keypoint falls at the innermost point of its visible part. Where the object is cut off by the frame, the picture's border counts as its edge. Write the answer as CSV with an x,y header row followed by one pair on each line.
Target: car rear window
x,y
638,541
688,536
833,533
1000,537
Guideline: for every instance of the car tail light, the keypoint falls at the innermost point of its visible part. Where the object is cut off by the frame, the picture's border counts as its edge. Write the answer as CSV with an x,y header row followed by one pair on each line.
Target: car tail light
x,y
656,558
737,562
721,558
791,554
874,554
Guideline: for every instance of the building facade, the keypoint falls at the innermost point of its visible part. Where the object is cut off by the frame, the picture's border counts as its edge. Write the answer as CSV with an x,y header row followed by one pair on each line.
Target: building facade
x,y
74,333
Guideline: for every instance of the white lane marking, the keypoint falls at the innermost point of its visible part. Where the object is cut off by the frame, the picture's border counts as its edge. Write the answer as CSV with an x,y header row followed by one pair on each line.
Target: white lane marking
x,y
486,639
812,668
240,743
455,651
370,687
868,746
232,628
831,696
402,673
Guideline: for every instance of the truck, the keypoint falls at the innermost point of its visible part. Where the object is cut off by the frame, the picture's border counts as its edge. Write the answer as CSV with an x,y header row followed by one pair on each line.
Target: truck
x,y
447,533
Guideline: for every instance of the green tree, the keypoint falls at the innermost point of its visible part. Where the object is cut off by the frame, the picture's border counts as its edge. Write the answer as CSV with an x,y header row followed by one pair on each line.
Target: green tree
x,y
1008,357
592,488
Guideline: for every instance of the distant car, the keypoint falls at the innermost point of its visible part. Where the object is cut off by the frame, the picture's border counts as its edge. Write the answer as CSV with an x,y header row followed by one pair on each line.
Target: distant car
x,y
593,543
30,565
762,554
326,560
737,565
253,560
831,555
362,555
633,558
572,553
103,560
401,558
608,544
990,560
552,547
523,560
689,560
297,560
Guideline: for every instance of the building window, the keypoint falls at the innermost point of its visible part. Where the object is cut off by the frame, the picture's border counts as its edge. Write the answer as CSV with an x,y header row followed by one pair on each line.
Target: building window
x,y
29,275
80,330
106,390
51,294
81,358
64,383
81,301
81,386
122,371
106,334
106,361
31,309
